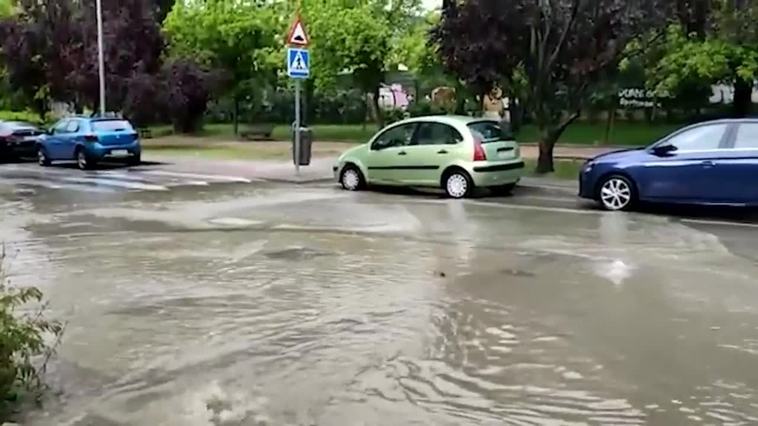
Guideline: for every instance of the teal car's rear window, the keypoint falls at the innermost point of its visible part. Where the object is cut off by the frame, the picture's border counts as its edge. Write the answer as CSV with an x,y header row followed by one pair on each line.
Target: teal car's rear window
x,y
111,126
489,131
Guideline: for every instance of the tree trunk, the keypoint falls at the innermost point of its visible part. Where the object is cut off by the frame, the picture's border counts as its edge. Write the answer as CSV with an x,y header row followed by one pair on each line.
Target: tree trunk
x,y
376,111
545,161
549,136
236,113
743,93
611,121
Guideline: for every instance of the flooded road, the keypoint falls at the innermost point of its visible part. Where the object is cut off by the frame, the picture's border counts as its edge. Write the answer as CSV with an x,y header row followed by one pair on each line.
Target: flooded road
x,y
263,304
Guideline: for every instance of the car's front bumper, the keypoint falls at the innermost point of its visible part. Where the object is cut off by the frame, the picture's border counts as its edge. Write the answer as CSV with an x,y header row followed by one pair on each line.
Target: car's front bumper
x,y
587,182
496,174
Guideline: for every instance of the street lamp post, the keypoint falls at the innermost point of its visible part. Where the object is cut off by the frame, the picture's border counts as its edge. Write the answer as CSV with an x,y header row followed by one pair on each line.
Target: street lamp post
x,y
100,57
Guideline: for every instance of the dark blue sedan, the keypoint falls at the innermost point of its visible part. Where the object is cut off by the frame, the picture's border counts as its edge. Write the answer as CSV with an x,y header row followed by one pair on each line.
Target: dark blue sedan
x,y
713,163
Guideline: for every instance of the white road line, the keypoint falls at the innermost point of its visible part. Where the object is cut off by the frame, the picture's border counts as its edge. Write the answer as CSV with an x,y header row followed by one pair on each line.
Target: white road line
x,y
116,183
218,178
720,223
137,177
50,185
515,206
544,198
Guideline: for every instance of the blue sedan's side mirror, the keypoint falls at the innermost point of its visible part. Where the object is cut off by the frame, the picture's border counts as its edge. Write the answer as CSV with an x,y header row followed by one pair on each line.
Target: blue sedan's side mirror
x,y
664,149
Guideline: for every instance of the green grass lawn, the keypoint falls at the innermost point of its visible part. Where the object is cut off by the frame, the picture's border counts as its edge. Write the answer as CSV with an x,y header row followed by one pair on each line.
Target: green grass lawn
x,y
624,133
324,132
564,169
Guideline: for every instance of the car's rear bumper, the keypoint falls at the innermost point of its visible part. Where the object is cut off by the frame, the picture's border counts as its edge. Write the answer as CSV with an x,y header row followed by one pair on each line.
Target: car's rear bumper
x,y
101,152
496,174
21,149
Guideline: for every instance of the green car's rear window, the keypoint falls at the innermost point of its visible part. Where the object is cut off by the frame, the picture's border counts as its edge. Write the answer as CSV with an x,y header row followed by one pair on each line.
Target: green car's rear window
x,y
489,131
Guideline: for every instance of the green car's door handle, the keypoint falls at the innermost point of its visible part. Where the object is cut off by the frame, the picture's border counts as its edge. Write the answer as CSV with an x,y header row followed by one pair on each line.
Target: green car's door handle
x,y
402,153
442,152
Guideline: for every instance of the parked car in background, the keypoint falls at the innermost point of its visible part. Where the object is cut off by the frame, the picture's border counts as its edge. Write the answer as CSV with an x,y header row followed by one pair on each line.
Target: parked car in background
x,y
18,140
708,163
455,153
89,141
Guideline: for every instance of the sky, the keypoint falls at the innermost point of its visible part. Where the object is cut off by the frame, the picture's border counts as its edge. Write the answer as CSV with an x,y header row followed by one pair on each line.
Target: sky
x,y
431,4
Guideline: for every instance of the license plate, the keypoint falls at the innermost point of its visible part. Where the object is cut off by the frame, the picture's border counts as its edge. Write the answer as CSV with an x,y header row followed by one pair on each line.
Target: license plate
x,y
119,153
505,154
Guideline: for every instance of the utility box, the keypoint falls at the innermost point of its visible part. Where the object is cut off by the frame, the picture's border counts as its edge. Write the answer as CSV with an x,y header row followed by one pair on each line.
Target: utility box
x,y
306,143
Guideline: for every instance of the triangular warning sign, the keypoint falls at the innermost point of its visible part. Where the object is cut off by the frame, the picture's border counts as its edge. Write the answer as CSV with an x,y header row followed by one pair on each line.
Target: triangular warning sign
x,y
297,35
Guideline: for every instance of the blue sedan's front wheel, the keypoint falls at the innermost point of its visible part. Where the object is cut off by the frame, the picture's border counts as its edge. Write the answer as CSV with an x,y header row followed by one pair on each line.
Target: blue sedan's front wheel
x,y
616,193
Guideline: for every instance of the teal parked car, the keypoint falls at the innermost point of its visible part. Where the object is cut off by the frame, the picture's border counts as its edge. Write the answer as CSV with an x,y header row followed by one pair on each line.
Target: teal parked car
x,y
457,154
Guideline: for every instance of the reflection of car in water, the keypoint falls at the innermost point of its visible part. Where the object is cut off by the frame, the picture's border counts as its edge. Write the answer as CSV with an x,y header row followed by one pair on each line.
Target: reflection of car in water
x,y
454,153
18,139
708,163
89,141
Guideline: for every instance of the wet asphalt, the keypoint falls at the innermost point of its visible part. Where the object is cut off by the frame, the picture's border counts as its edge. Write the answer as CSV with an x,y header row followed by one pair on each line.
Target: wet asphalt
x,y
203,300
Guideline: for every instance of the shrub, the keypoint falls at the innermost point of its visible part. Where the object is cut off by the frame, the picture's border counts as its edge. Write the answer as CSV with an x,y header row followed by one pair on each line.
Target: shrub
x,y
26,116
188,94
394,115
27,340
425,108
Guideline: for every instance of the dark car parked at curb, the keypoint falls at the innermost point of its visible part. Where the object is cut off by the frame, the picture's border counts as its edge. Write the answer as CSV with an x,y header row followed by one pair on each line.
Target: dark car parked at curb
x,y
18,140
710,163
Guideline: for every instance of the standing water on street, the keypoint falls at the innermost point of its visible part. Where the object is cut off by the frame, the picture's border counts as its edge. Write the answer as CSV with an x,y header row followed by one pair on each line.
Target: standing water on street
x,y
313,306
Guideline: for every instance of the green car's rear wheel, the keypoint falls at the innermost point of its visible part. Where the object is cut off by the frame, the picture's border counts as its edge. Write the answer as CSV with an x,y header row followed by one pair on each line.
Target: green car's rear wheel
x,y
457,184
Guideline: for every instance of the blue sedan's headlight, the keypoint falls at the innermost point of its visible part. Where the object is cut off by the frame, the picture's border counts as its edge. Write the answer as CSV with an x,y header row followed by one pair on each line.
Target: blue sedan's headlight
x,y
588,166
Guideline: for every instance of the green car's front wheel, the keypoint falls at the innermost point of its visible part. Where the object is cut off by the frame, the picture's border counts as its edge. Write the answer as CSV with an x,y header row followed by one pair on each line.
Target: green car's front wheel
x,y
352,179
457,184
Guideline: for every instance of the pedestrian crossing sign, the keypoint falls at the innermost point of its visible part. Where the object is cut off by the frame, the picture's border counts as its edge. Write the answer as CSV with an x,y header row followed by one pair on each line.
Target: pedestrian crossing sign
x,y
298,63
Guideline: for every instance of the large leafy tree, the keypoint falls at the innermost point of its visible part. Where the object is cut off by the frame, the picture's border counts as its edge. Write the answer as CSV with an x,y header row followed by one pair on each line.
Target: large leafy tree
x,y
50,49
350,39
721,48
240,37
558,49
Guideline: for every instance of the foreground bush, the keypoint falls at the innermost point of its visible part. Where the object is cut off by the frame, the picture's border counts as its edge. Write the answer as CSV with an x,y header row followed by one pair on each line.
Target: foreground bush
x,y
25,116
27,341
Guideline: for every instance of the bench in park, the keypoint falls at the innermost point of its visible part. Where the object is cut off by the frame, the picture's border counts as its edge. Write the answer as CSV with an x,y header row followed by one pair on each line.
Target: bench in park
x,y
145,133
256,132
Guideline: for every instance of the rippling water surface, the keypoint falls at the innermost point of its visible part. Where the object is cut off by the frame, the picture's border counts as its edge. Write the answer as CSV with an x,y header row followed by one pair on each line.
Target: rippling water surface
x,y
310,307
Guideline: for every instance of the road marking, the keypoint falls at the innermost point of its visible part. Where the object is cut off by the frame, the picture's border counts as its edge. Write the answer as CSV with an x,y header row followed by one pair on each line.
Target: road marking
x,y
545,198
137,177
218,178
116,183
50,185
720,222
515,206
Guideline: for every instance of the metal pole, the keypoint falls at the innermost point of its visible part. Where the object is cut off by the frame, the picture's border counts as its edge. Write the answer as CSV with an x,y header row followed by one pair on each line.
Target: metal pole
x,y
297,127
100,56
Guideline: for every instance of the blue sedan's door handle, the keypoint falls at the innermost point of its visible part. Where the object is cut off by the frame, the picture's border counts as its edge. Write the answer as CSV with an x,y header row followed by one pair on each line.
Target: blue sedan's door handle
x,y
402,153
708,164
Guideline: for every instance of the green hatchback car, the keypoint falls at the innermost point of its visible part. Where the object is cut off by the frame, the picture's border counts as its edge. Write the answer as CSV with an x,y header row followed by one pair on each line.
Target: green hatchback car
x,y
455,153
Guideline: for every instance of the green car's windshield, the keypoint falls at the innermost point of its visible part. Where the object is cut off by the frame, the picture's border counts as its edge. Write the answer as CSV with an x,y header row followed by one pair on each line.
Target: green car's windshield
x,y
490,131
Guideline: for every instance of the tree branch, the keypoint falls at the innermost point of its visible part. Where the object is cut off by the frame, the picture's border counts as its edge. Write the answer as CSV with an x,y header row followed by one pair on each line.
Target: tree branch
x,y
564,34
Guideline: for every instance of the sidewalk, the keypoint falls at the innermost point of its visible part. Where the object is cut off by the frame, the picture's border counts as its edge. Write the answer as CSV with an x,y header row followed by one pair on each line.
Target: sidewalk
x,y
271,170
320,168
568,152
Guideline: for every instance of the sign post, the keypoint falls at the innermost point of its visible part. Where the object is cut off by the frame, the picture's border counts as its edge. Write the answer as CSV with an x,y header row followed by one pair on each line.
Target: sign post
x,y
298,68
